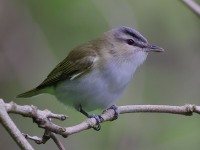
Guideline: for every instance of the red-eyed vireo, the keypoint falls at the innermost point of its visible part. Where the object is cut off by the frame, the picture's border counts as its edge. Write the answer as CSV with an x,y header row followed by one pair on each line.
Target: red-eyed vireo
x,y
95,74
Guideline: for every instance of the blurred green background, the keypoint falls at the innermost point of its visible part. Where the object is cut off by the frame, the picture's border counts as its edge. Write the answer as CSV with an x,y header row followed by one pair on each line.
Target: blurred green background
x,y
36,35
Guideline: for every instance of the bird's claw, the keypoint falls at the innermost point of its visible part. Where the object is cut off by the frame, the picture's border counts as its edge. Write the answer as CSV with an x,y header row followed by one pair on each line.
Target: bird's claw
x,y
98,119
116,112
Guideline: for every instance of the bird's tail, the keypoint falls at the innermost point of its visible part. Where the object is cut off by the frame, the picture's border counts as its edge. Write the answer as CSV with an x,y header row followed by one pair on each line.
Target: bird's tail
x,y
30,93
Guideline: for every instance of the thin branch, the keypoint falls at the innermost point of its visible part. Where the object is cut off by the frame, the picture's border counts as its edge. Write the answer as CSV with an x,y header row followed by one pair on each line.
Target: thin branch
x,y
42,117
12,129
193,6
57,141
32,111
38,140
47,135
108,115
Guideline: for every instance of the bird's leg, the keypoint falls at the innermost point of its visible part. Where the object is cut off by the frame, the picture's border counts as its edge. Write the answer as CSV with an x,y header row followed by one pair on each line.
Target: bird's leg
x,y
116,110
97,117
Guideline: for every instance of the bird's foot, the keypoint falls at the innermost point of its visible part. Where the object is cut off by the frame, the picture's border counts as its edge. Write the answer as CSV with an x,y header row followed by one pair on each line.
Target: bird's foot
x,y
116,112
98,119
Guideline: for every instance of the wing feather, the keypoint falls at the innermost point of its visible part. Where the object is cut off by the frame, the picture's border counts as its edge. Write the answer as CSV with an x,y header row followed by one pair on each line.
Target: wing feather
x,y
73,66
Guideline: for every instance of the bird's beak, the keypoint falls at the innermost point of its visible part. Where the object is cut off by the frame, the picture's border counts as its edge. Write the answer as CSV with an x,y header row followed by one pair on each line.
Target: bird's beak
x,y
154,48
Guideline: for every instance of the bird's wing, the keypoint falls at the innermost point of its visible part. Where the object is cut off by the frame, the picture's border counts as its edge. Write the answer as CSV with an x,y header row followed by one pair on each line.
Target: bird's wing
x,y
75,64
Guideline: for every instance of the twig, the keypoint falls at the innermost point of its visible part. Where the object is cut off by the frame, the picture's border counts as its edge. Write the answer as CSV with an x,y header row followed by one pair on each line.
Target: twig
x,y
57,141
42,117
32,111
37,139
108,115
12,129
47,135
193,6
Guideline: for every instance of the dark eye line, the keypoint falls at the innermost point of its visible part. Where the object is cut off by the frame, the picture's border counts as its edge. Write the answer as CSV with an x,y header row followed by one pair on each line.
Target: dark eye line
x,y
134,34
132,42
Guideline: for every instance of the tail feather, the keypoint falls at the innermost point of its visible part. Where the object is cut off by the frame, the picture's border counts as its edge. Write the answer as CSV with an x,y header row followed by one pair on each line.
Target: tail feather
x,y
30,93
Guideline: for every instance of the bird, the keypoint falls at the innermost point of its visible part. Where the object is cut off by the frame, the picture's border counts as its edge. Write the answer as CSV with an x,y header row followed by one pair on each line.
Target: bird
x,y
95,74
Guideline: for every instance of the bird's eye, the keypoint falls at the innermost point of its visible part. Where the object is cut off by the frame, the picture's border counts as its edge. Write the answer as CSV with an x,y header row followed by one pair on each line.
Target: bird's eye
x,y
130,42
